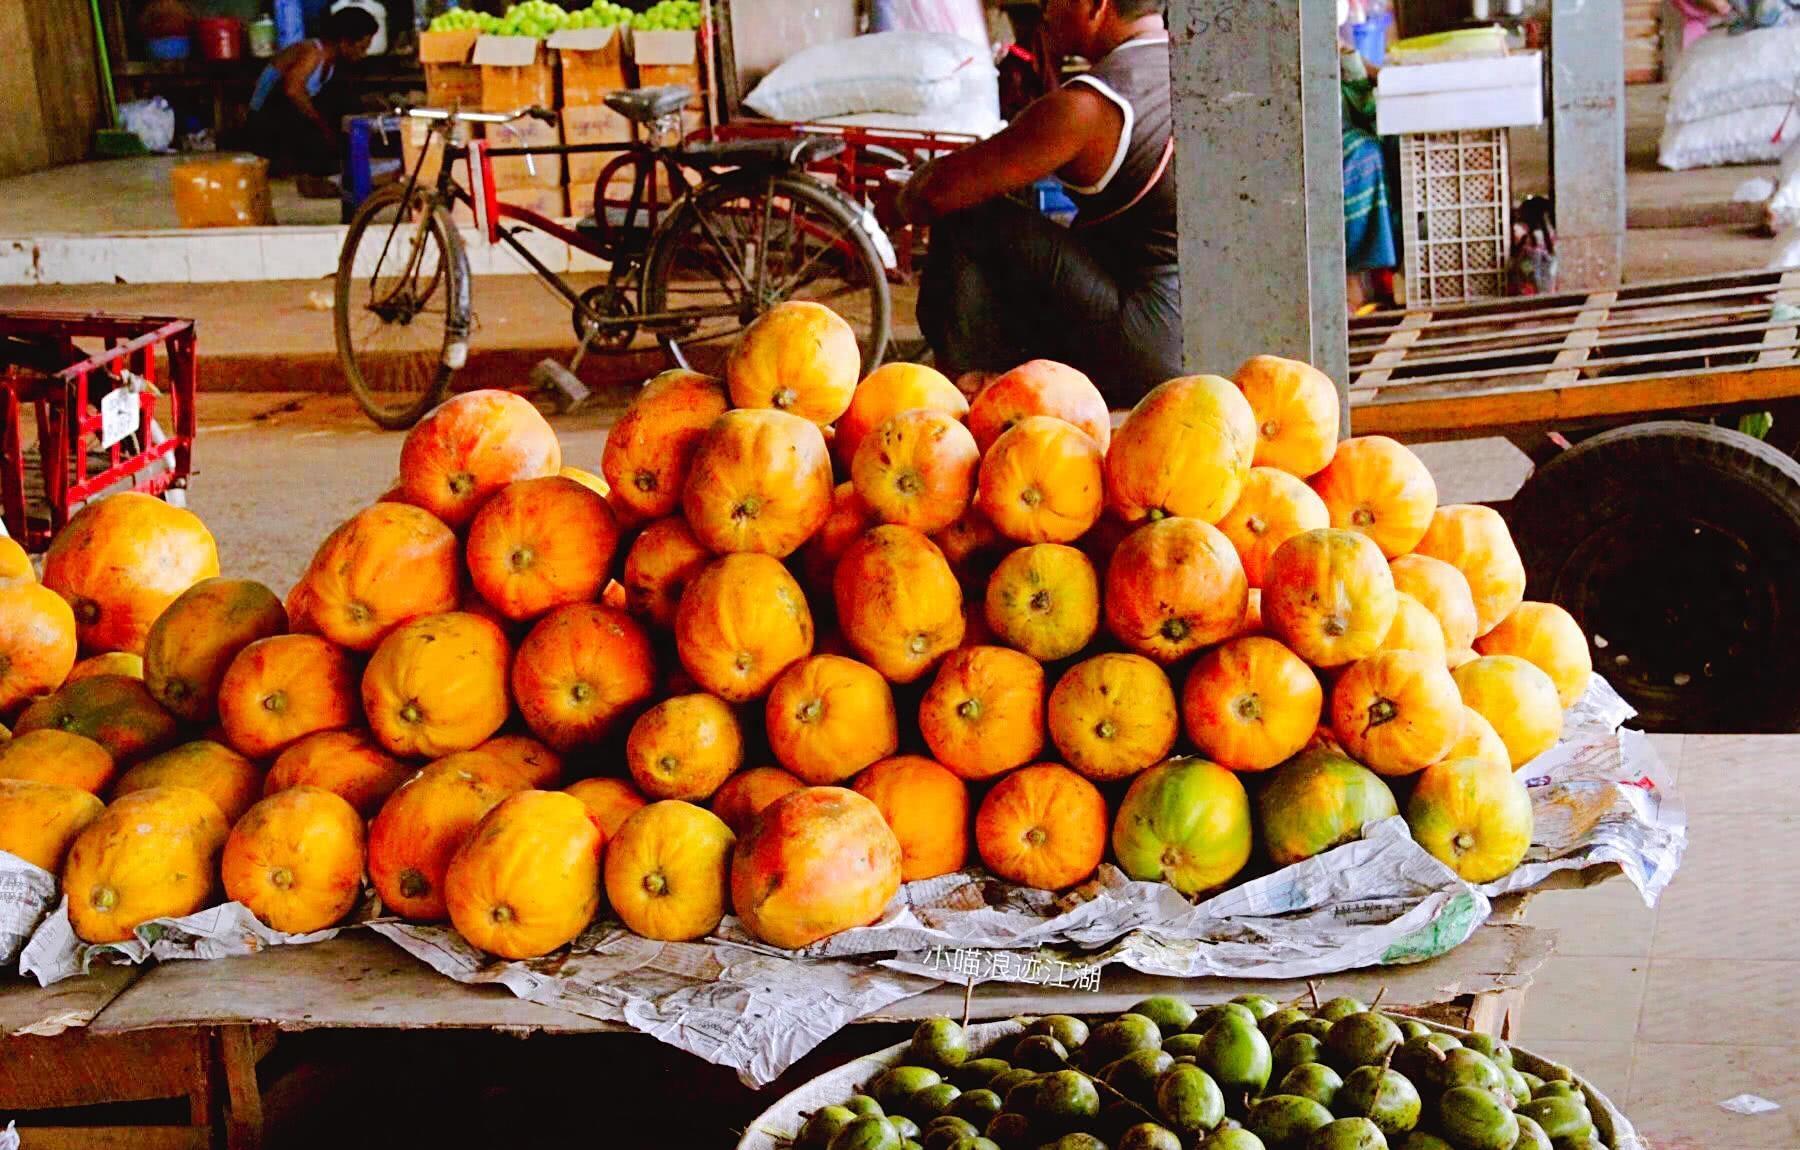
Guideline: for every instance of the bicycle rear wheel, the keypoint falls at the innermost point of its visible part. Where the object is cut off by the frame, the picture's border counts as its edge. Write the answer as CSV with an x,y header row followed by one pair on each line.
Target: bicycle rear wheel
x,y
402,306
743,244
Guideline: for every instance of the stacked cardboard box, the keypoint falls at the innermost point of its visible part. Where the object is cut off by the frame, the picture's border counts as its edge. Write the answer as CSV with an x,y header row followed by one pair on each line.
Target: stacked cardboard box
x,y
592,62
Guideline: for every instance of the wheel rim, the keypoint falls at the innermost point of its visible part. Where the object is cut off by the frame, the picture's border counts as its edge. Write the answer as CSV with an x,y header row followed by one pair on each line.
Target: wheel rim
x,y
397,314
1691,630
812,254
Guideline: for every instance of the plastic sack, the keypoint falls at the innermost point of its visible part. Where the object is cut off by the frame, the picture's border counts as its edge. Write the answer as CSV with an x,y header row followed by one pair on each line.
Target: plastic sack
x,y
1783,208
974,110
1723,73
152,121
1747,136
910,73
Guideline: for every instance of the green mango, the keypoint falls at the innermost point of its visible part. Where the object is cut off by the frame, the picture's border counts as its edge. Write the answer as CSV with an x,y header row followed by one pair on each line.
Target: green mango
x,y
938,1043
1474,1119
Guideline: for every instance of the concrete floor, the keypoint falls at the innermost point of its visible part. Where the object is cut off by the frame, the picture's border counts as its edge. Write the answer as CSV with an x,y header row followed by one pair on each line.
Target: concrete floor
x,y
123,195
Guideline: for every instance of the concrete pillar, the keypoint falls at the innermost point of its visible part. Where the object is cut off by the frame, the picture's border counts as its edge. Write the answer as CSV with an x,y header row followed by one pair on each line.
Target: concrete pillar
x,y
1259,155
1587,141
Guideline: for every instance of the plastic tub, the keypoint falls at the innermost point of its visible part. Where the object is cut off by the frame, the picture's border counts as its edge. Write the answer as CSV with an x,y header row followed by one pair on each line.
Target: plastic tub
x,y
219,37
169,47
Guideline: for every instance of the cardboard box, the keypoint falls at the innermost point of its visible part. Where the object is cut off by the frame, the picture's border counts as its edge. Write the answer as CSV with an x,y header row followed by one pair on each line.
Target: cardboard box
x,y
1459,110
592,61
550,202
450,80
668,58
594,124
581,200
516,72
415,137
542,171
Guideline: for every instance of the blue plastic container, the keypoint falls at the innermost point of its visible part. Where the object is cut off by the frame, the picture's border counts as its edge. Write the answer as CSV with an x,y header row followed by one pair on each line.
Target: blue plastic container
x,y
290,22
1052,200
1370,37
169,47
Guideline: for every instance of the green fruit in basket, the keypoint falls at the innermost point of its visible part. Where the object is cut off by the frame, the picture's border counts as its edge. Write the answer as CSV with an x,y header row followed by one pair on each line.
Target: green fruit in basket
x,y
1272,1024
1064,1100
1499,1051
1293,1050
1135,1075
820,1125
1417,1056
1040,1052
1557,1089
1065,1028
1114,1040
1210,1016
1077,1141
1022,1099
1183,1045
902,1082
866,1134
976,1143
1473,1119
903,1126
1419,1140
1412,1027
1148,1136
1385,1097
1237,1056
938,1043
1003,1082
1260,1005
1170,1014
1233,1140
1362,1039
1560,1117
1346,1134
941,1132
1516,1085
911,1144
1340,1007
1557,1072
864,1106
1464,1067
1319,1028
1313,1080
1007,1129
1189,1101
978,1072
1590,1142
932,1101
1531,1135
1532,1083
1283,1121
976,1107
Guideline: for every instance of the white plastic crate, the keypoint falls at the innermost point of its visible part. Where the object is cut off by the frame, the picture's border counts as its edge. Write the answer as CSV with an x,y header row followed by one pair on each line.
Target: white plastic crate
x,y
1456,214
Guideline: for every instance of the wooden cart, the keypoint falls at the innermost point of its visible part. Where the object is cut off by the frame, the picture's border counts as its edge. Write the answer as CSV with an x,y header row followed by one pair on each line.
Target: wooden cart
x,y
1674,542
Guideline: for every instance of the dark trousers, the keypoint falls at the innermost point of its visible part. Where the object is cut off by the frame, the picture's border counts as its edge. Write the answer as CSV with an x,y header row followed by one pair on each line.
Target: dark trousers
x,y
290,141
1004,285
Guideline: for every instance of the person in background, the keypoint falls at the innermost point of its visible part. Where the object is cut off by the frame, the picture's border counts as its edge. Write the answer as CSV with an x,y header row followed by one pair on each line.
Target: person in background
x,y
294,110
1370,249
1004,284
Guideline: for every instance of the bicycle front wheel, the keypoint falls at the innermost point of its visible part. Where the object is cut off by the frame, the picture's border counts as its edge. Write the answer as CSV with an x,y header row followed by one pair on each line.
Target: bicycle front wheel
x,y
742,244
402,305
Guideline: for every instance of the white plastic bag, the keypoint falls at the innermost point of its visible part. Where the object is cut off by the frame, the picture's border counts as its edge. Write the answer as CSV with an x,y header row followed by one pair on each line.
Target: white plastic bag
x,y
910,73
1783,208
152,121
1747,136
1723,73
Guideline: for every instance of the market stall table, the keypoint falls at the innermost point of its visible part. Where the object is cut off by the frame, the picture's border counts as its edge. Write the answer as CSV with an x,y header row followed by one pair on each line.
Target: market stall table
x,y
198,1029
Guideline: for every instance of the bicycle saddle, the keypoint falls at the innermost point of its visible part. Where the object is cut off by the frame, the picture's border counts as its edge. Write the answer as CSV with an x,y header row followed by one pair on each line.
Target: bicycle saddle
x,y
791,152
647,105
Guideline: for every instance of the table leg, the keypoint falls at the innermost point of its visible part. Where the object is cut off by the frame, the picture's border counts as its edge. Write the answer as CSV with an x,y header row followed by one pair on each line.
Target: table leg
x,y
235,1055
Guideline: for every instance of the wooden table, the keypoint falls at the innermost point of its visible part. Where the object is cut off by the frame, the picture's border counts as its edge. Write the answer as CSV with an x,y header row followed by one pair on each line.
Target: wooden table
x,y
196,1030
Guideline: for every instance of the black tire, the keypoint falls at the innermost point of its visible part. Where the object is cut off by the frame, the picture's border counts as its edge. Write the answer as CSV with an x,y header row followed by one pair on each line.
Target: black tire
x,y
690,231
1676,546
397,386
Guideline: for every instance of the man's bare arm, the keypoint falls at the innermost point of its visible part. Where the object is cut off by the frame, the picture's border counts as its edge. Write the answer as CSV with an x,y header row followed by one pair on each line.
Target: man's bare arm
x,y
1048,136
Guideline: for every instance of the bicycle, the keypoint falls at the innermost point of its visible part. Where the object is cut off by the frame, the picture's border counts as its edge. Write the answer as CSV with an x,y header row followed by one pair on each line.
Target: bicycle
x,y
754,231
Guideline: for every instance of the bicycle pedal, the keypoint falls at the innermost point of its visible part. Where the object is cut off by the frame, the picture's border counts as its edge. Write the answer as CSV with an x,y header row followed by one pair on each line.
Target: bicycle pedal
x,y
549,375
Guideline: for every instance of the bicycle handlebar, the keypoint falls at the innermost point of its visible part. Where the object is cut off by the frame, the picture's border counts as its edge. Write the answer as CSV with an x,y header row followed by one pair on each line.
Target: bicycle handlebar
x,y
457,115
